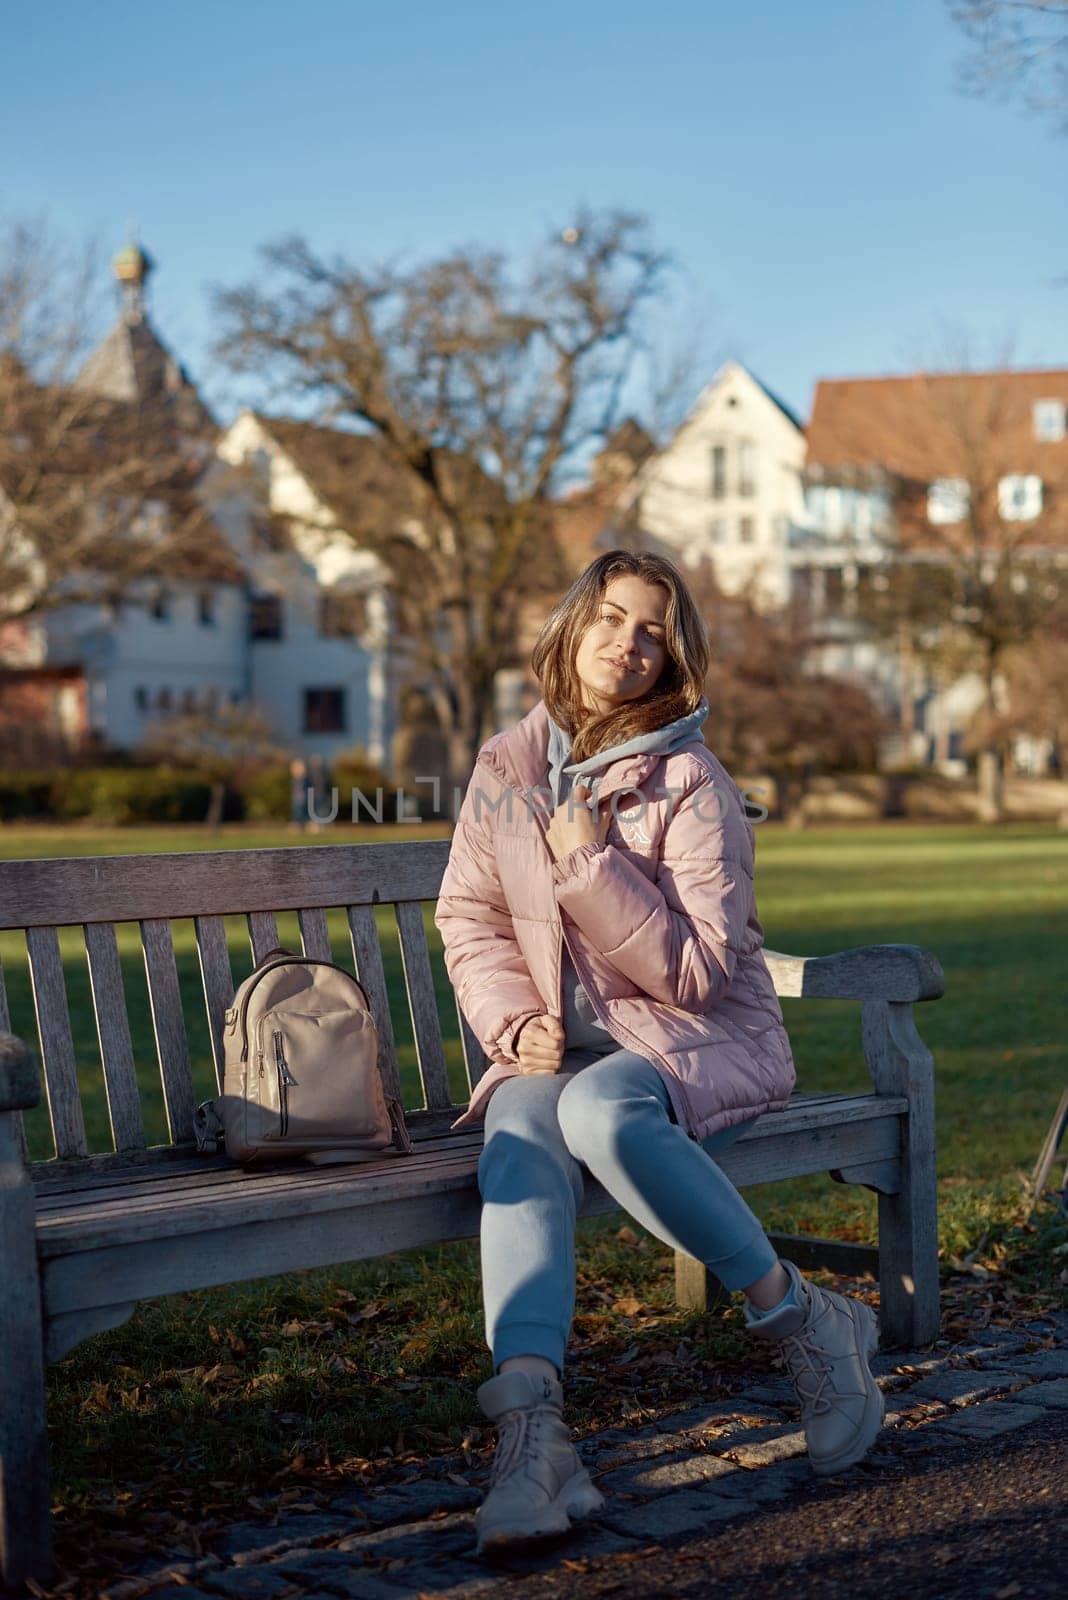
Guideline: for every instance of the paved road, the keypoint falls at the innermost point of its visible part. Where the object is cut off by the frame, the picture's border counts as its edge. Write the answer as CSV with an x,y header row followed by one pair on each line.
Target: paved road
x,y
965,1497
963,1521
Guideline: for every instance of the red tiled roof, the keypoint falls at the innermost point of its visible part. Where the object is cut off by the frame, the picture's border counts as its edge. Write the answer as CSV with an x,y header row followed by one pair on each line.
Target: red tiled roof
x,y
937,425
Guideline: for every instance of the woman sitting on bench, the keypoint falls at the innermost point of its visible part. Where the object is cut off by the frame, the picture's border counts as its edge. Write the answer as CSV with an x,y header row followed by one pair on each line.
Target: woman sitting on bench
x,y
606,949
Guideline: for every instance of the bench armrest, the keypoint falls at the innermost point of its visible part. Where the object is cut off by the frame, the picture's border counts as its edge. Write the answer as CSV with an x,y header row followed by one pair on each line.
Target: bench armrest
x,y
870,972
20,1082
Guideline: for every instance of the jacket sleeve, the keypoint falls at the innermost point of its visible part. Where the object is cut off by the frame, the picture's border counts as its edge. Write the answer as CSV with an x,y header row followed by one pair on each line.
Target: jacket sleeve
x,y
486,967
678,937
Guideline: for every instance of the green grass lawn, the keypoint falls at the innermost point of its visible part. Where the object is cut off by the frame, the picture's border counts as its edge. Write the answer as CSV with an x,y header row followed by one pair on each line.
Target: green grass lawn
x,y
334,1367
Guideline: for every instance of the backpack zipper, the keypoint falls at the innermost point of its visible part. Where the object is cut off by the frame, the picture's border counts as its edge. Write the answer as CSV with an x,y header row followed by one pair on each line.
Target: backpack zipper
x,y
285,1078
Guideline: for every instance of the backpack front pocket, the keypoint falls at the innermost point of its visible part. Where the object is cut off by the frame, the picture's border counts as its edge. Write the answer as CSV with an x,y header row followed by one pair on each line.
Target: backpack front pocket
x,y
321,1076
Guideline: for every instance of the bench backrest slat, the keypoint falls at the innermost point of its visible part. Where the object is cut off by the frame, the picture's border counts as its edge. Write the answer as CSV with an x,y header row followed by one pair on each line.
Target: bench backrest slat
x,y
422,1000
57,1045
314,934
263,932
168,1025
113,1034
217,978
475,1059
110,900
367,956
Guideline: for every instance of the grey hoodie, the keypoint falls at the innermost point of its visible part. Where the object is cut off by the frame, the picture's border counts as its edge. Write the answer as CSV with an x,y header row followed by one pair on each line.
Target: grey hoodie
x,y
581,1028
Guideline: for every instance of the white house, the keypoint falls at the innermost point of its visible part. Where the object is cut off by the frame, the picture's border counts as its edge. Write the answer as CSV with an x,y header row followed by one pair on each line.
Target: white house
x,y
728,486
297,627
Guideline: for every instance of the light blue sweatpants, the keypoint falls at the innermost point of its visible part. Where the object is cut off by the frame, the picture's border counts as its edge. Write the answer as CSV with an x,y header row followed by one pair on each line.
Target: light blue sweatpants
x,y
610,1115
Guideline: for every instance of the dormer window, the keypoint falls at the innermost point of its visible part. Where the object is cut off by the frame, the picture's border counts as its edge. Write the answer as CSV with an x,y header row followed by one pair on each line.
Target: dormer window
x,y
1020,496
1049,419
947,500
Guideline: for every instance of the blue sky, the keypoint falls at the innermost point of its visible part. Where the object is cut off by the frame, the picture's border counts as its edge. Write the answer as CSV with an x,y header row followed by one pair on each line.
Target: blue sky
x,y
831,199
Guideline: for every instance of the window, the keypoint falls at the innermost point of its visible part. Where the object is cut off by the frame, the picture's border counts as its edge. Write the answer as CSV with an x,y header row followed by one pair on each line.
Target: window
x,y
206,608
342,614
189,701
163,699
141,697
719,472
1020,496
947,500
265,617
718,530
815,503
746,467
833,588
160,605
1049,418
747,530
324,711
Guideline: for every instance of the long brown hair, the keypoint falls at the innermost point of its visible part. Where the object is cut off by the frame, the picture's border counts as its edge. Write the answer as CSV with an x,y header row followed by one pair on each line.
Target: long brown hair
x,y
681,683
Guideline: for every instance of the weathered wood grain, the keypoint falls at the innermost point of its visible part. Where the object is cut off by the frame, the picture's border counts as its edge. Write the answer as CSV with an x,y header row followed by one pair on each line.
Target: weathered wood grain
x,y
314,934
113,1035
263,934
475,1059
367,955
870,972
25,1538
57,1044
217,981
422,1001
901,1064
168,1025
60,890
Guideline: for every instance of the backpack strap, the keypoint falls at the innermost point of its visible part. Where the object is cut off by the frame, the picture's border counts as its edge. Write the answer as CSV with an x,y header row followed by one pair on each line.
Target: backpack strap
x,y
208,1127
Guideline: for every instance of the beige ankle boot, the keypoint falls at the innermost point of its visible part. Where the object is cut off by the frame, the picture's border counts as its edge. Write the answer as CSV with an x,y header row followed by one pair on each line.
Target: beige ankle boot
x,y
825,1343
538,1484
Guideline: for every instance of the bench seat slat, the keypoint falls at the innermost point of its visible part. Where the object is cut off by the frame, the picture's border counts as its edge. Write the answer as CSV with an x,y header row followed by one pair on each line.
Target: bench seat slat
x,y
57,1043
168,1025
814,1143
217,979
367,954
113,1034
422,1000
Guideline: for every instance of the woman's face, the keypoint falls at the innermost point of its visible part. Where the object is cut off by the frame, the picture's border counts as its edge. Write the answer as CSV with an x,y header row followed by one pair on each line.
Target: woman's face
x,y
622,652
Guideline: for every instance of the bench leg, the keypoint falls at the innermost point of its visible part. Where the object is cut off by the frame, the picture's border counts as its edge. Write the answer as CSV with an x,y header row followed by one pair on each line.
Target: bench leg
x,y
25,1531
901,1064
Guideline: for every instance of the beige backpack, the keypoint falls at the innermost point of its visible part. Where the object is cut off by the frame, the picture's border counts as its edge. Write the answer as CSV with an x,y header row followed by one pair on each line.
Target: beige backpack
x,y
302,1077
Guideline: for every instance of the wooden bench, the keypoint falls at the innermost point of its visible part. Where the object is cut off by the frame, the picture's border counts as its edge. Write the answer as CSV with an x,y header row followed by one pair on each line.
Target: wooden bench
x,y
84,1236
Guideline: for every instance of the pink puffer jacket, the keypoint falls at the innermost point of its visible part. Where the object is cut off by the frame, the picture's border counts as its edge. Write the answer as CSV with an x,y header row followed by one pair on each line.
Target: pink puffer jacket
x,y
660,920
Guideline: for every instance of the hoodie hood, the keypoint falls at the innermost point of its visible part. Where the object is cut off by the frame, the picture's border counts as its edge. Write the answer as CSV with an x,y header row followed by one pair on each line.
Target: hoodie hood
x,y
659,741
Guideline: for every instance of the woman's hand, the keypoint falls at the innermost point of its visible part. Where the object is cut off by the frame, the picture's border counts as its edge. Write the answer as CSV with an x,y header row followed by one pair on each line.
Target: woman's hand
x,y
540,1045
566,833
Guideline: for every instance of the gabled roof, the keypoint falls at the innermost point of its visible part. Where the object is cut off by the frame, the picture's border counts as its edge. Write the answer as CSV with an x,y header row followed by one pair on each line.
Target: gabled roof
x,y
134,365
363,484
932,425
787,411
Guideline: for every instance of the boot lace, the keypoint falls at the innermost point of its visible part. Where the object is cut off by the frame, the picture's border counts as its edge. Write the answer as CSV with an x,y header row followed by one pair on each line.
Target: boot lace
x,y
516,1440
810,1369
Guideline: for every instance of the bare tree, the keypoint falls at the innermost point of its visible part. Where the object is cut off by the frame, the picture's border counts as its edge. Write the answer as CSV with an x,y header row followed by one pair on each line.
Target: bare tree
x,y
770,712
484,381
95,494
969,575
1019,51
